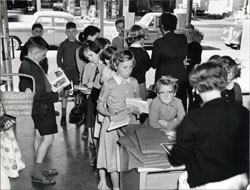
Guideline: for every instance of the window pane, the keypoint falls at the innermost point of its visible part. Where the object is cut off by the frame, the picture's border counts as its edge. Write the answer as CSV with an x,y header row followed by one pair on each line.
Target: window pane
x,y
45,21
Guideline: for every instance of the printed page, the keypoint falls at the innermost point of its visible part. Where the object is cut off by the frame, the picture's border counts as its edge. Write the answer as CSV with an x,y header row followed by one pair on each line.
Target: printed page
x,y
142,105
58,79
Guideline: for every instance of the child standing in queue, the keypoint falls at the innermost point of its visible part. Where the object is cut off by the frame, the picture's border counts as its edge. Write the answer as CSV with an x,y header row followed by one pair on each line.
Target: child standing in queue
x,y
91,78
66,60
136,40
232,93
43,111
119,41
110,102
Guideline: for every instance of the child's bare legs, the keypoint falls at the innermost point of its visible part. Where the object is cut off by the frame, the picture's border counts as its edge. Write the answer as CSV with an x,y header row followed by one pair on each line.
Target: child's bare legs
x,y
103,183
115,179
36,141
65,95
40,154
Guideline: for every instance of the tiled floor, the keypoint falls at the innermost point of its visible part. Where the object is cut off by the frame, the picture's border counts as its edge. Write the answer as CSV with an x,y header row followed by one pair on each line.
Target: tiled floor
x,y
69,154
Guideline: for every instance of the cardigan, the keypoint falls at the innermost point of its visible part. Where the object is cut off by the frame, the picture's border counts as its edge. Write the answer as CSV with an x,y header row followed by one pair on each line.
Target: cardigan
x,y
213,142
42,97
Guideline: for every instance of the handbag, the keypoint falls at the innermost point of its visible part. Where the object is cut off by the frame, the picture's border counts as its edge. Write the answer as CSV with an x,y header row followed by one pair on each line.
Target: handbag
x,y
4,118
77,113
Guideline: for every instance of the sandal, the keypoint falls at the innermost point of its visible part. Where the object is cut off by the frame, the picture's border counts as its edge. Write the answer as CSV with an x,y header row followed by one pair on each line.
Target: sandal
x,y
50,172
45,180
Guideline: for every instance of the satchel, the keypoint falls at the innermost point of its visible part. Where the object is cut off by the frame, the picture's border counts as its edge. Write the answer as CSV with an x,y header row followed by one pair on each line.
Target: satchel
x,y
95,92
4,118
77,113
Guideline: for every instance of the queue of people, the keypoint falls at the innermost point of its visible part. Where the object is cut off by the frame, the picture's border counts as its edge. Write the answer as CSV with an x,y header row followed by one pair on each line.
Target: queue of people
x,y
213,117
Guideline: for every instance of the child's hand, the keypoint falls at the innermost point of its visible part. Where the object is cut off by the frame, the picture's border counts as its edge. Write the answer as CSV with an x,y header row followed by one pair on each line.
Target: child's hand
x,y
163,123
133,109
111,114
90,85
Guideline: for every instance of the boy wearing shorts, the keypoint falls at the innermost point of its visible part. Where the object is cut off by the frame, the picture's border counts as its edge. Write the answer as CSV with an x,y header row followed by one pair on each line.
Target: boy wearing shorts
x,y
66,60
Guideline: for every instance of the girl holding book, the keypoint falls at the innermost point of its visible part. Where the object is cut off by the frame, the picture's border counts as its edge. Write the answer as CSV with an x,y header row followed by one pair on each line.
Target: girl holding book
x,y
91,78
111,102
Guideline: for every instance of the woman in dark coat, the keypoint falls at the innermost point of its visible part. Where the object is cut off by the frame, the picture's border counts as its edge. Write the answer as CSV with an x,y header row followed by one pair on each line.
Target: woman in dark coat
x,y
169,53
213,141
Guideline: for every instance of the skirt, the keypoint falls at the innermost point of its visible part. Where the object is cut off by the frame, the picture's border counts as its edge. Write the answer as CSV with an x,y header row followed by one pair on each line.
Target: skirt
x,y
11,159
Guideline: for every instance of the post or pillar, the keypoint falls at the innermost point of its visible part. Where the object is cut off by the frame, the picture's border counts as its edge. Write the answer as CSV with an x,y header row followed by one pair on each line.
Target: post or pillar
x,y
189,11
38,5
83,7
5,42
101,11
125,7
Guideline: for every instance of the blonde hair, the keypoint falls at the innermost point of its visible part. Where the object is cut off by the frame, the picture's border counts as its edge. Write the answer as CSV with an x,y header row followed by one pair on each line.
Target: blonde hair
x,y
136,33
166,80
120,57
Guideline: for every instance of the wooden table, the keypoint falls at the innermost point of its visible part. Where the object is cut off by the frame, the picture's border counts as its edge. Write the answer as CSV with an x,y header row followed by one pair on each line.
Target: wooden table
x,y
150,178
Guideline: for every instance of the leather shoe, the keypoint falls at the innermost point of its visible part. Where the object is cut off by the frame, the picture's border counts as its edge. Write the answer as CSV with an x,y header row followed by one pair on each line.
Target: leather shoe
x,y
63,121
45,180
50,172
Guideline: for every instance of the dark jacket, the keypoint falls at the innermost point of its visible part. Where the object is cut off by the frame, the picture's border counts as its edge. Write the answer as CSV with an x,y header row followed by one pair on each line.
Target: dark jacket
x,y
168,55
213,142
42,97
142,64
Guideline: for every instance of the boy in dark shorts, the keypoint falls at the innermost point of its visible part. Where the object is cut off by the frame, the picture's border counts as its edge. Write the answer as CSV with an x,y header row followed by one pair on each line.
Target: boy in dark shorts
x,y
67,61
43,111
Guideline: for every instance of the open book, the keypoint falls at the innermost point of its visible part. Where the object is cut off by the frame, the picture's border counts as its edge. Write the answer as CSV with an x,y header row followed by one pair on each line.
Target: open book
x,y
58,79
142,105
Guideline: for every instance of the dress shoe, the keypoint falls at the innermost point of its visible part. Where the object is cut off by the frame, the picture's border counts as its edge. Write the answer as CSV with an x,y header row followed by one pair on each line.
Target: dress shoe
x,y
45,180
50,172
63,121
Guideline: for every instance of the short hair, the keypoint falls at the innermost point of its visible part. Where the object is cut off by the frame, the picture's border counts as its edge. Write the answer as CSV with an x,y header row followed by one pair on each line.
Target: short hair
x,y
230,65
136,33
120,57
168,21
88,45
37,25
88,31
214,58
107,54
70,25
37,42
189,26
102,42
208,76
166,80
118,21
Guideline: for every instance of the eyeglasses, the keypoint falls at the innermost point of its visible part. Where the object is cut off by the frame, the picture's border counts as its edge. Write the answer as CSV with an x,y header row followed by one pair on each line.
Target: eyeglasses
x,y
166,92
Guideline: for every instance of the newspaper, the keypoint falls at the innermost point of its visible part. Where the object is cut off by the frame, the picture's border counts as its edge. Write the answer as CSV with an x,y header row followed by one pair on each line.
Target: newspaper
x,y
142,105
58,79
